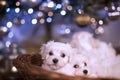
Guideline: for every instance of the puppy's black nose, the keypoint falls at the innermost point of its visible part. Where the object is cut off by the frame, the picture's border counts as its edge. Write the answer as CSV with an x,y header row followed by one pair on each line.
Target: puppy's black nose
x,y
85,71
55,60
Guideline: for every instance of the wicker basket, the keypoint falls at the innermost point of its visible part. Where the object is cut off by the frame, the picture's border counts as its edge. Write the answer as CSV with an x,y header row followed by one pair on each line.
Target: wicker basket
x,y
29,66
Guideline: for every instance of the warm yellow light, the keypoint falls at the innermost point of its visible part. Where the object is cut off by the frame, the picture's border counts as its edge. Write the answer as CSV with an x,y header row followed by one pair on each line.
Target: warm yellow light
x,y
14,69
69,7
42,21
50,13
106,8
93,20
3,3
17,3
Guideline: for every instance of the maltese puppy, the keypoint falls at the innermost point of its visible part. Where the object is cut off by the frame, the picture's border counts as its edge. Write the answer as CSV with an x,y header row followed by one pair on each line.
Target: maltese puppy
x,y
96,64
88,66
101,55
80,64
99,52
56,57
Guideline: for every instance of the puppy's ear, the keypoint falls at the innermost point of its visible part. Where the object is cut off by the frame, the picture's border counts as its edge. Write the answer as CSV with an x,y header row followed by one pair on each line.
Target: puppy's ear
x,y
50,42
42,50
72,54
71,51
44,46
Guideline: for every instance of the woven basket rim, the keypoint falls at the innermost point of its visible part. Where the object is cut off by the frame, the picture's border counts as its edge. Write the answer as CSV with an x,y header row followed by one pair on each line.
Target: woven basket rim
x,y
23,64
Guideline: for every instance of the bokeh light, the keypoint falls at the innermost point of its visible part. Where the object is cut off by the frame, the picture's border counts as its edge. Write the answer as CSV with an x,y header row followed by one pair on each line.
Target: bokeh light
x,y
63,12
49,19
8,9
9,24
17,3
100,22
51,4
8,43
42,20
34,21
10,34
30,10
17,10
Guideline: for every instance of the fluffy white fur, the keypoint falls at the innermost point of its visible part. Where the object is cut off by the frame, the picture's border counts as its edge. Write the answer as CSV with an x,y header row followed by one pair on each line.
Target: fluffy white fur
x,y
83,41
60,51
101,56
91,57
81,67
94,48
116,67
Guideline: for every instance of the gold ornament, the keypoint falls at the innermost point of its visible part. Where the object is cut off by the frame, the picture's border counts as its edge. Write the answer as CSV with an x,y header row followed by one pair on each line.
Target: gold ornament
x,y
3,31
82,19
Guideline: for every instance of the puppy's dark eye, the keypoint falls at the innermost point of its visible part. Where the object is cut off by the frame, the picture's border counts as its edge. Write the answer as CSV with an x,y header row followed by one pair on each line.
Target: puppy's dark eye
x,y
85,63
50,53
63,55
76,66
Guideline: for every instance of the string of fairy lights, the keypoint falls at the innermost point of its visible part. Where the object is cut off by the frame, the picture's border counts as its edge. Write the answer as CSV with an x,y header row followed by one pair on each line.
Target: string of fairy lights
x,y
42,12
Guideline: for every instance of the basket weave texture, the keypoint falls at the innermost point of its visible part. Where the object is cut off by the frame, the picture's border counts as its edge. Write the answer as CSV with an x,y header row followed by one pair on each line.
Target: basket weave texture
x,y
29,66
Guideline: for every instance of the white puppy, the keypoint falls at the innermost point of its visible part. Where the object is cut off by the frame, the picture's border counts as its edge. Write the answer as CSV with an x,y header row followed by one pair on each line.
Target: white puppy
x,y
94,48
56,57
101,55
94,67
80,64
